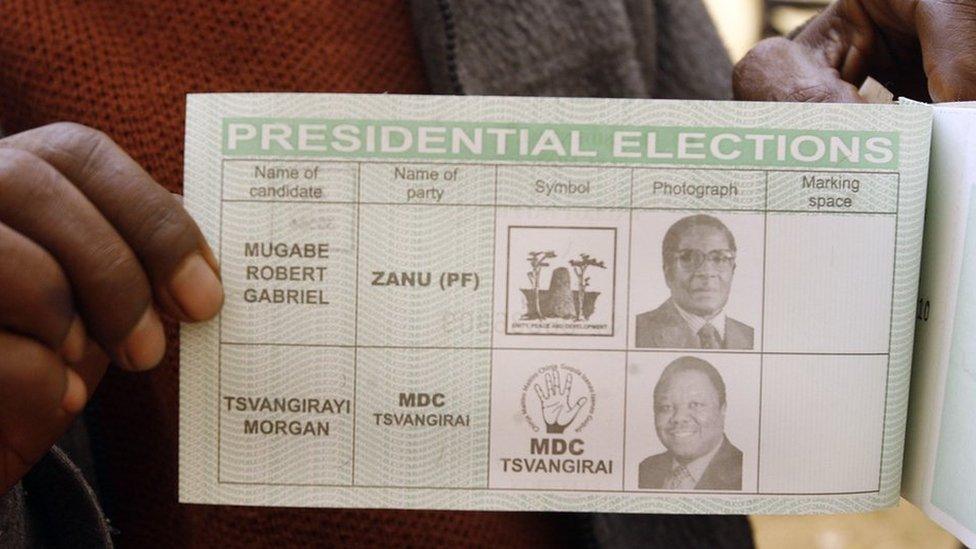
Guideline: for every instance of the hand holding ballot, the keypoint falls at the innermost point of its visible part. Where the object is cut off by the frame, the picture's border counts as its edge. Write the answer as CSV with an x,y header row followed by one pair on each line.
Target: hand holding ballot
x,y
921,49
93,249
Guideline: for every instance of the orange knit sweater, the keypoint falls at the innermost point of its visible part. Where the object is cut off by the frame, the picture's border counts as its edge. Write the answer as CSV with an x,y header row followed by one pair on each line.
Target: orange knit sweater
x,y
124,67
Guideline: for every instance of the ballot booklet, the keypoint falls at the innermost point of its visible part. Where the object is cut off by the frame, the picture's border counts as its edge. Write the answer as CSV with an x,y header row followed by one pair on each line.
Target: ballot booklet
x,y
580,305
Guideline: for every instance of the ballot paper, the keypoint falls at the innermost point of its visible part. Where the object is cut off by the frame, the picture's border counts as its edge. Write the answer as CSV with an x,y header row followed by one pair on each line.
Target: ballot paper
x,y
553,304
939,473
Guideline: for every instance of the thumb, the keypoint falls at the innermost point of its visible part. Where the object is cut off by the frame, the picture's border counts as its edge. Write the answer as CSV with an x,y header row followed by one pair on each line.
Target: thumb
x,y
778,69
830,53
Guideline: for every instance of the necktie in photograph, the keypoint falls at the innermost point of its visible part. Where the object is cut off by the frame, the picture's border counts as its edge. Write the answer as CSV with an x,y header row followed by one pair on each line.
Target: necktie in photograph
x,y
679,479
708,335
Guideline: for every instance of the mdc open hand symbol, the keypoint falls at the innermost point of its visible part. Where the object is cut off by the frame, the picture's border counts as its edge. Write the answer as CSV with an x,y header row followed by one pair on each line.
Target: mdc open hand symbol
x,y
556,409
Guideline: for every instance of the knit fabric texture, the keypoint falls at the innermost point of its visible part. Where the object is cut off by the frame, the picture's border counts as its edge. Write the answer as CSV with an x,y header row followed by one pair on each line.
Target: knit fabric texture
x,y
578,48
124,68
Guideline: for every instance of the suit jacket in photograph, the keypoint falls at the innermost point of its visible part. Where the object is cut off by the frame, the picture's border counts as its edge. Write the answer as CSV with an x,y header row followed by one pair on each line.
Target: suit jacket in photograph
x,y
724,472
664,327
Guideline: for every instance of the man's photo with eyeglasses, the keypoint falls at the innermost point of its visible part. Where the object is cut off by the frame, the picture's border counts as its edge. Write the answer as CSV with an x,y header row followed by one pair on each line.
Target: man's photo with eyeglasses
x,y
699,258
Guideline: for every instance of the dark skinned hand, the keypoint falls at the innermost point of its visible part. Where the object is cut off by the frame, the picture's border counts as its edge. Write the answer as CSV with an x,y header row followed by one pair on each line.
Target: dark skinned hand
x,y
921,49
92,251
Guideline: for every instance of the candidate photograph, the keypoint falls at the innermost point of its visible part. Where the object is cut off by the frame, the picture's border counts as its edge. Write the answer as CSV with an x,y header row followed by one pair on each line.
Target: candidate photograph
x,y
699,263
689,419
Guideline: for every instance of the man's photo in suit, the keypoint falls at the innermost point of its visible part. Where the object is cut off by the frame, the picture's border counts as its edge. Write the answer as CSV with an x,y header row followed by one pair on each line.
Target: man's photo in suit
x,y
698,255
689,418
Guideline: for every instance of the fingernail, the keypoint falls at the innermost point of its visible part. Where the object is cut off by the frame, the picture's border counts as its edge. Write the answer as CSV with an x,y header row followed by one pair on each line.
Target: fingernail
x,y
75,392
196,288
146,344
73,348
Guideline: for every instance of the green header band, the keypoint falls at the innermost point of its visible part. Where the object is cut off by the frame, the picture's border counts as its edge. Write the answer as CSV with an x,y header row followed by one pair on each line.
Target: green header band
x,y
563,143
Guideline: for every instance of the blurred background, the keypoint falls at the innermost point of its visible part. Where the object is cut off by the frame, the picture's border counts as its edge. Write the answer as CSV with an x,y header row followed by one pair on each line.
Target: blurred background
x,y
742,23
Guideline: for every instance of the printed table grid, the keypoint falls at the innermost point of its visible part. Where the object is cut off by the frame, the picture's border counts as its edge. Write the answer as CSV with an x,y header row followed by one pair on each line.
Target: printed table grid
x,y
762,334
627,348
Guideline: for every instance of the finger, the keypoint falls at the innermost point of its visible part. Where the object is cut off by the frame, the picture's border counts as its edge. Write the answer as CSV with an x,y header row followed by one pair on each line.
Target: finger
x,y
861,38
832,53
538,391
36,299
177,259
947,31
917,48
778,69
843,38
567,387
91,367
39,397
110,288
550,385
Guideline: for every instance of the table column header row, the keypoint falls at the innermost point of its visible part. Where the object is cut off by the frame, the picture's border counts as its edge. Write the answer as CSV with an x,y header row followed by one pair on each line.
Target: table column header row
x,y
559,186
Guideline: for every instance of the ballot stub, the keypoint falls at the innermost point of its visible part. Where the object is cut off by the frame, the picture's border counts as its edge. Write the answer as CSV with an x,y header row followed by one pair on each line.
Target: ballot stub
x,y
552,304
